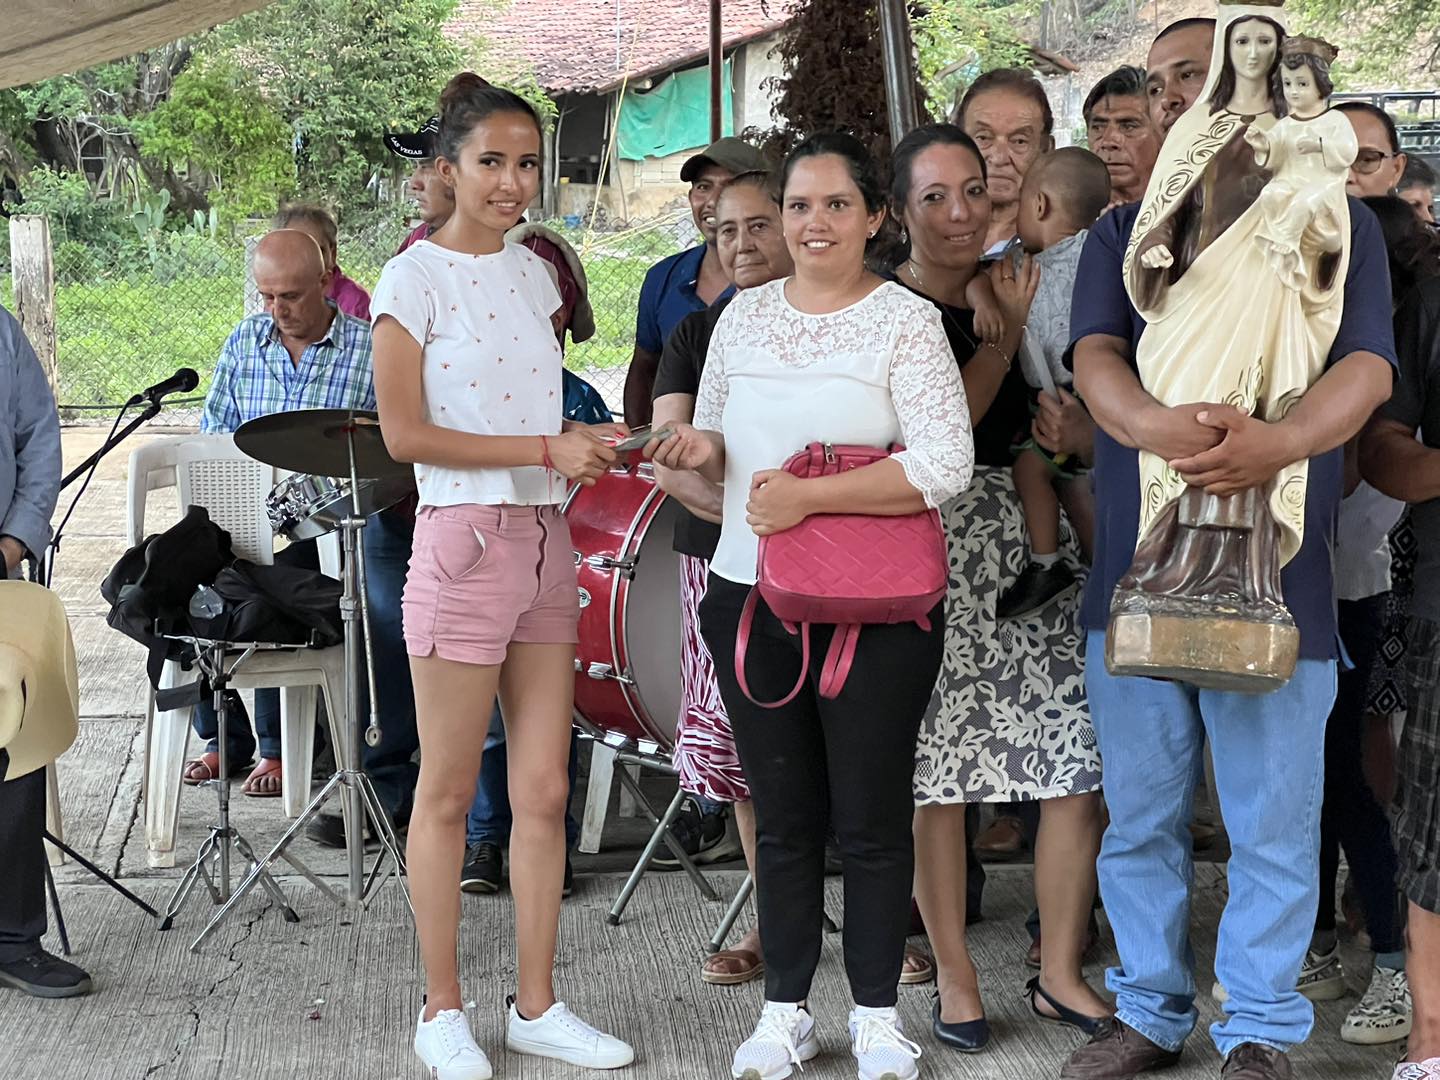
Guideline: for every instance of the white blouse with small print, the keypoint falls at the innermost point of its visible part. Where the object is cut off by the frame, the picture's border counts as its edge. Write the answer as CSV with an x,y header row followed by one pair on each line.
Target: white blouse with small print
x,y
872,374
490,363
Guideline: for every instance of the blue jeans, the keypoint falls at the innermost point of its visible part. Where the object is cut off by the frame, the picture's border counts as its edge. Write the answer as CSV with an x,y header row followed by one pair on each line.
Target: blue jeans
x,y
1269,752
490,818
391,765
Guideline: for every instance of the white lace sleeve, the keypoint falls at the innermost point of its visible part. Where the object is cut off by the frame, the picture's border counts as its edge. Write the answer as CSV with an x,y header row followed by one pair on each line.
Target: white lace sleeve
x,y
929,397
714,388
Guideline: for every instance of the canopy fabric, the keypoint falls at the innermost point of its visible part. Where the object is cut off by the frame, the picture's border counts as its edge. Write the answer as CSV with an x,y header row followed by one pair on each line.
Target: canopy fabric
x,y
42,38
674,116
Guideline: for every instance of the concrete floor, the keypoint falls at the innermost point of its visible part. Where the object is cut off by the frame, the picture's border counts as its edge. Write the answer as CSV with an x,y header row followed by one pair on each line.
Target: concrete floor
x,y
336,995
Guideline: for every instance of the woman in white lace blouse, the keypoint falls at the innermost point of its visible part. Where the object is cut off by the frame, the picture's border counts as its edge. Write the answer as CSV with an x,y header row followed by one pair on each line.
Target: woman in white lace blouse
x,y
833,354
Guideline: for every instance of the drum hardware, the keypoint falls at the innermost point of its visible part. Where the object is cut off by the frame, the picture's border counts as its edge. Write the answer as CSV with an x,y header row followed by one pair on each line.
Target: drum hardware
x,y
212,860
585,597
628,752
605,671
343,442
605,562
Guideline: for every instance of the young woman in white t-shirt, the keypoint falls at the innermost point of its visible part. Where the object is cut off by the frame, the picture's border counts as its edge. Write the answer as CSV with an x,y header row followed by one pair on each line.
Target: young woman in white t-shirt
x,y
837,355
468,379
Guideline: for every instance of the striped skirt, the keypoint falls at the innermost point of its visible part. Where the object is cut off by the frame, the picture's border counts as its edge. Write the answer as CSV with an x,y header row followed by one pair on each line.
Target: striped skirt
x,y
705,754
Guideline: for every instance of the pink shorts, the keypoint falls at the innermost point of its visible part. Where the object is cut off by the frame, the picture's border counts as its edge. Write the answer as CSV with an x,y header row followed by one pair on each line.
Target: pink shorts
x,y
482,577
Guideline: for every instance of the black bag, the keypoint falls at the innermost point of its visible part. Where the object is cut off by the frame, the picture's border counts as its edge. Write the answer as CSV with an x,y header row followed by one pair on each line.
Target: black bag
x,y
149,588
285,605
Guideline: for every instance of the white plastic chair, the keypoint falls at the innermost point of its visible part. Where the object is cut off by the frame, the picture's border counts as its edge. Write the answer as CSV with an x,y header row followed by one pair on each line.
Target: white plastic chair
x,y
210,471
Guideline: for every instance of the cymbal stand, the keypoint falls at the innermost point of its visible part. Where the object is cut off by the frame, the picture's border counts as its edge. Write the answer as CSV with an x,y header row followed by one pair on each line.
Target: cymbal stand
x,y
212,861
359,802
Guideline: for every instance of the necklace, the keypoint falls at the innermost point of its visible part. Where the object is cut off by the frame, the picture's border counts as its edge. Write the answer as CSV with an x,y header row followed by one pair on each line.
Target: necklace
x,y
946,314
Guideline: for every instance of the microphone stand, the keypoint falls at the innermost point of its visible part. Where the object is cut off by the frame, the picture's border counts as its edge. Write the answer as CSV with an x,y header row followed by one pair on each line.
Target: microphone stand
x,y
41,572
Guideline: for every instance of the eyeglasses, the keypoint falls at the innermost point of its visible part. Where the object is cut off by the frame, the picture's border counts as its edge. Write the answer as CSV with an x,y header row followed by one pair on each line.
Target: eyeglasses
x,y
1368,161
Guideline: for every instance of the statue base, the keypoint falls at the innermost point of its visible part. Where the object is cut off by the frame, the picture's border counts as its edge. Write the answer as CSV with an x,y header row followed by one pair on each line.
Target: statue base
x,y
1203,647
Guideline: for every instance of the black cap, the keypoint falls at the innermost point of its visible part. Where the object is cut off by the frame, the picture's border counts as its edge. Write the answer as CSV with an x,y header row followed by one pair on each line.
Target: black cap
x,y
730,153
414,146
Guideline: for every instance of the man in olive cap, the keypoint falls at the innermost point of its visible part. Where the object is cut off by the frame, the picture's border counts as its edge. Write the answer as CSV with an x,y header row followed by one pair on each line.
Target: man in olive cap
x,y
691,280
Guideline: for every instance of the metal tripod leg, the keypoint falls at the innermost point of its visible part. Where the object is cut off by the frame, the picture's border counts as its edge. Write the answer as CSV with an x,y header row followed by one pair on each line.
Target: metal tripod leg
x,y
732,913
389,846
101,874
55,903
661,832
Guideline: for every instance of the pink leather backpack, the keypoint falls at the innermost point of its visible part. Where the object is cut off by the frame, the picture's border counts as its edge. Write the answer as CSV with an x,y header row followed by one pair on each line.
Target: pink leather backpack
x,y
846,570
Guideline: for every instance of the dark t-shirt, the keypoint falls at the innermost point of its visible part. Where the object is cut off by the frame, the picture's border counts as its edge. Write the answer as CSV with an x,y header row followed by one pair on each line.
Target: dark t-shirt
x,y
681,365
1102,306
1009,414
1416,404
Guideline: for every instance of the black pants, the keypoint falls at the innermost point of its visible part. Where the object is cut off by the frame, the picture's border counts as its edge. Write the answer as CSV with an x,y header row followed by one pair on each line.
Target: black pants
x,y
1351,817
22,853
848,762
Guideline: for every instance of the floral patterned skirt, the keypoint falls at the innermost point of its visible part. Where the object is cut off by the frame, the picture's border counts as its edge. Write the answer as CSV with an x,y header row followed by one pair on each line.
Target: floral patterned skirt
x,y
1008,720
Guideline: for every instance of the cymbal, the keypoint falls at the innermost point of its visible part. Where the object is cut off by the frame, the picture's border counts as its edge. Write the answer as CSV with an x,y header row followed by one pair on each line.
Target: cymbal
x,y
315,441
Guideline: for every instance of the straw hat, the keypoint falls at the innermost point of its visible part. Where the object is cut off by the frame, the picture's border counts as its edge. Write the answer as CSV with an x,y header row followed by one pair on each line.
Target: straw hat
x,y
39,685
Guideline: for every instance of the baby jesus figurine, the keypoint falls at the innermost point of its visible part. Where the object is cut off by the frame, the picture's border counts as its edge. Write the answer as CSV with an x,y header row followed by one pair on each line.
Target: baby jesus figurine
x,y
1309,154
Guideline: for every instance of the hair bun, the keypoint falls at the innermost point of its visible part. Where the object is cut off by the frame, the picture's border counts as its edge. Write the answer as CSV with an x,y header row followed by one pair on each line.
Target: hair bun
x,y
459,89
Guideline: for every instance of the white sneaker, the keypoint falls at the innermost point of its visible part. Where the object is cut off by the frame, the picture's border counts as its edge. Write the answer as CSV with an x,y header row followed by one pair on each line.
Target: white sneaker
x,y
880,1048
448,1049
784,1037
1384,1013
562,1035
1321,976
1429,1069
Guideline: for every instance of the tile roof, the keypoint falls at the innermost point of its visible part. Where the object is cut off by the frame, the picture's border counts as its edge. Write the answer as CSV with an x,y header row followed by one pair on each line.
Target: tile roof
x,y
584,46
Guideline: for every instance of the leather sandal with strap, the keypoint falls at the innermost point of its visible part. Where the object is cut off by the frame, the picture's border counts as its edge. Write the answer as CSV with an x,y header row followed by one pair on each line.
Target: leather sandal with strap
x,y
267,768
917,968
206,767
717,969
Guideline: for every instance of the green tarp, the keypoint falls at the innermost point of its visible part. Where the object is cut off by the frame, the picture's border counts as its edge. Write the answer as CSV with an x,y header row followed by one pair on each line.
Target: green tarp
x,y
674,116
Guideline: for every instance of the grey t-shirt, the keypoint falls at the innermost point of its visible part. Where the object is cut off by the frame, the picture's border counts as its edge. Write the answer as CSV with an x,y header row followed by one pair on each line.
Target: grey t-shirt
x,y
1415,403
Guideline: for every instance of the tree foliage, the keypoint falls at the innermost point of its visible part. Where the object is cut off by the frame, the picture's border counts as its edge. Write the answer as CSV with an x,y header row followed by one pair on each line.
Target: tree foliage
x,y
217,122
956,40
833,77
833,68
1376,38
342,73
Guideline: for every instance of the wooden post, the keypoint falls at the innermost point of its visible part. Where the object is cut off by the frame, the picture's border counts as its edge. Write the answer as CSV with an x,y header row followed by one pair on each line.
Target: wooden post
x,y
32,268
252,293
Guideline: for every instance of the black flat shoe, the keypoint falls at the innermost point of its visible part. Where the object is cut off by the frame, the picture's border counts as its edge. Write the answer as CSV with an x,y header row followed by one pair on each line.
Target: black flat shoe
x,y
1067,1016
968,1036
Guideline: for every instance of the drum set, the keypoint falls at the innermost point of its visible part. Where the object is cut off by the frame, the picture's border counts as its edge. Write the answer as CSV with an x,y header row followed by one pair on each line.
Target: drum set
x,y
628,660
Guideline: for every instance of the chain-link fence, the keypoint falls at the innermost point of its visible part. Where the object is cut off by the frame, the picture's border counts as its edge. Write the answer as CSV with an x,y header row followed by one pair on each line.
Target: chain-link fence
x,y
128,316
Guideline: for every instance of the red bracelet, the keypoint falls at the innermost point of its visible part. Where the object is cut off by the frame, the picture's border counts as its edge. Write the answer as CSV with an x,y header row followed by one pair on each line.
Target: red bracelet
x,y
545,452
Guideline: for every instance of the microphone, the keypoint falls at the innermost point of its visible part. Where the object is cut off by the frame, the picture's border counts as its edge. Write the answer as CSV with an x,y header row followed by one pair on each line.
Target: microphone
x,y
182,381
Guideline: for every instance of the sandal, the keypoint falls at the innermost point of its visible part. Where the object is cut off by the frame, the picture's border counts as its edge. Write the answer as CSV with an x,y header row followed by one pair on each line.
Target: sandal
x,y
206,767
1063,1014
917,968
715,972
258,783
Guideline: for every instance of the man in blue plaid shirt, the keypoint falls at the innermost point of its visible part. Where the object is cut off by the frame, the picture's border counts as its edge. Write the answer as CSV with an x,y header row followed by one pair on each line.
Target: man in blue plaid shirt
x,y
303,353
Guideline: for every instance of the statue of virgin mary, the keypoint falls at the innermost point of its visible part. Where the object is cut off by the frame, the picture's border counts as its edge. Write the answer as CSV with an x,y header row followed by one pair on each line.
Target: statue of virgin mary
x,y
1223,324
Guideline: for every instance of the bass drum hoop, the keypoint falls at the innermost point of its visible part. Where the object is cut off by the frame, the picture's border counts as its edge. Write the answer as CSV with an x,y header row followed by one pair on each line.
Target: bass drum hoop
x,y
628,548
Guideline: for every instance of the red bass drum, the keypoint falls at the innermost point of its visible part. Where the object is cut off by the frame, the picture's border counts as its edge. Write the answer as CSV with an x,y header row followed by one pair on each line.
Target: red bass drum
x,y
627,667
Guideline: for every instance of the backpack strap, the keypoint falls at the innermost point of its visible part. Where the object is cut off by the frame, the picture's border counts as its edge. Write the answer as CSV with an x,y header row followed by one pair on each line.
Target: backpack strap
x,y
742,645
838,659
